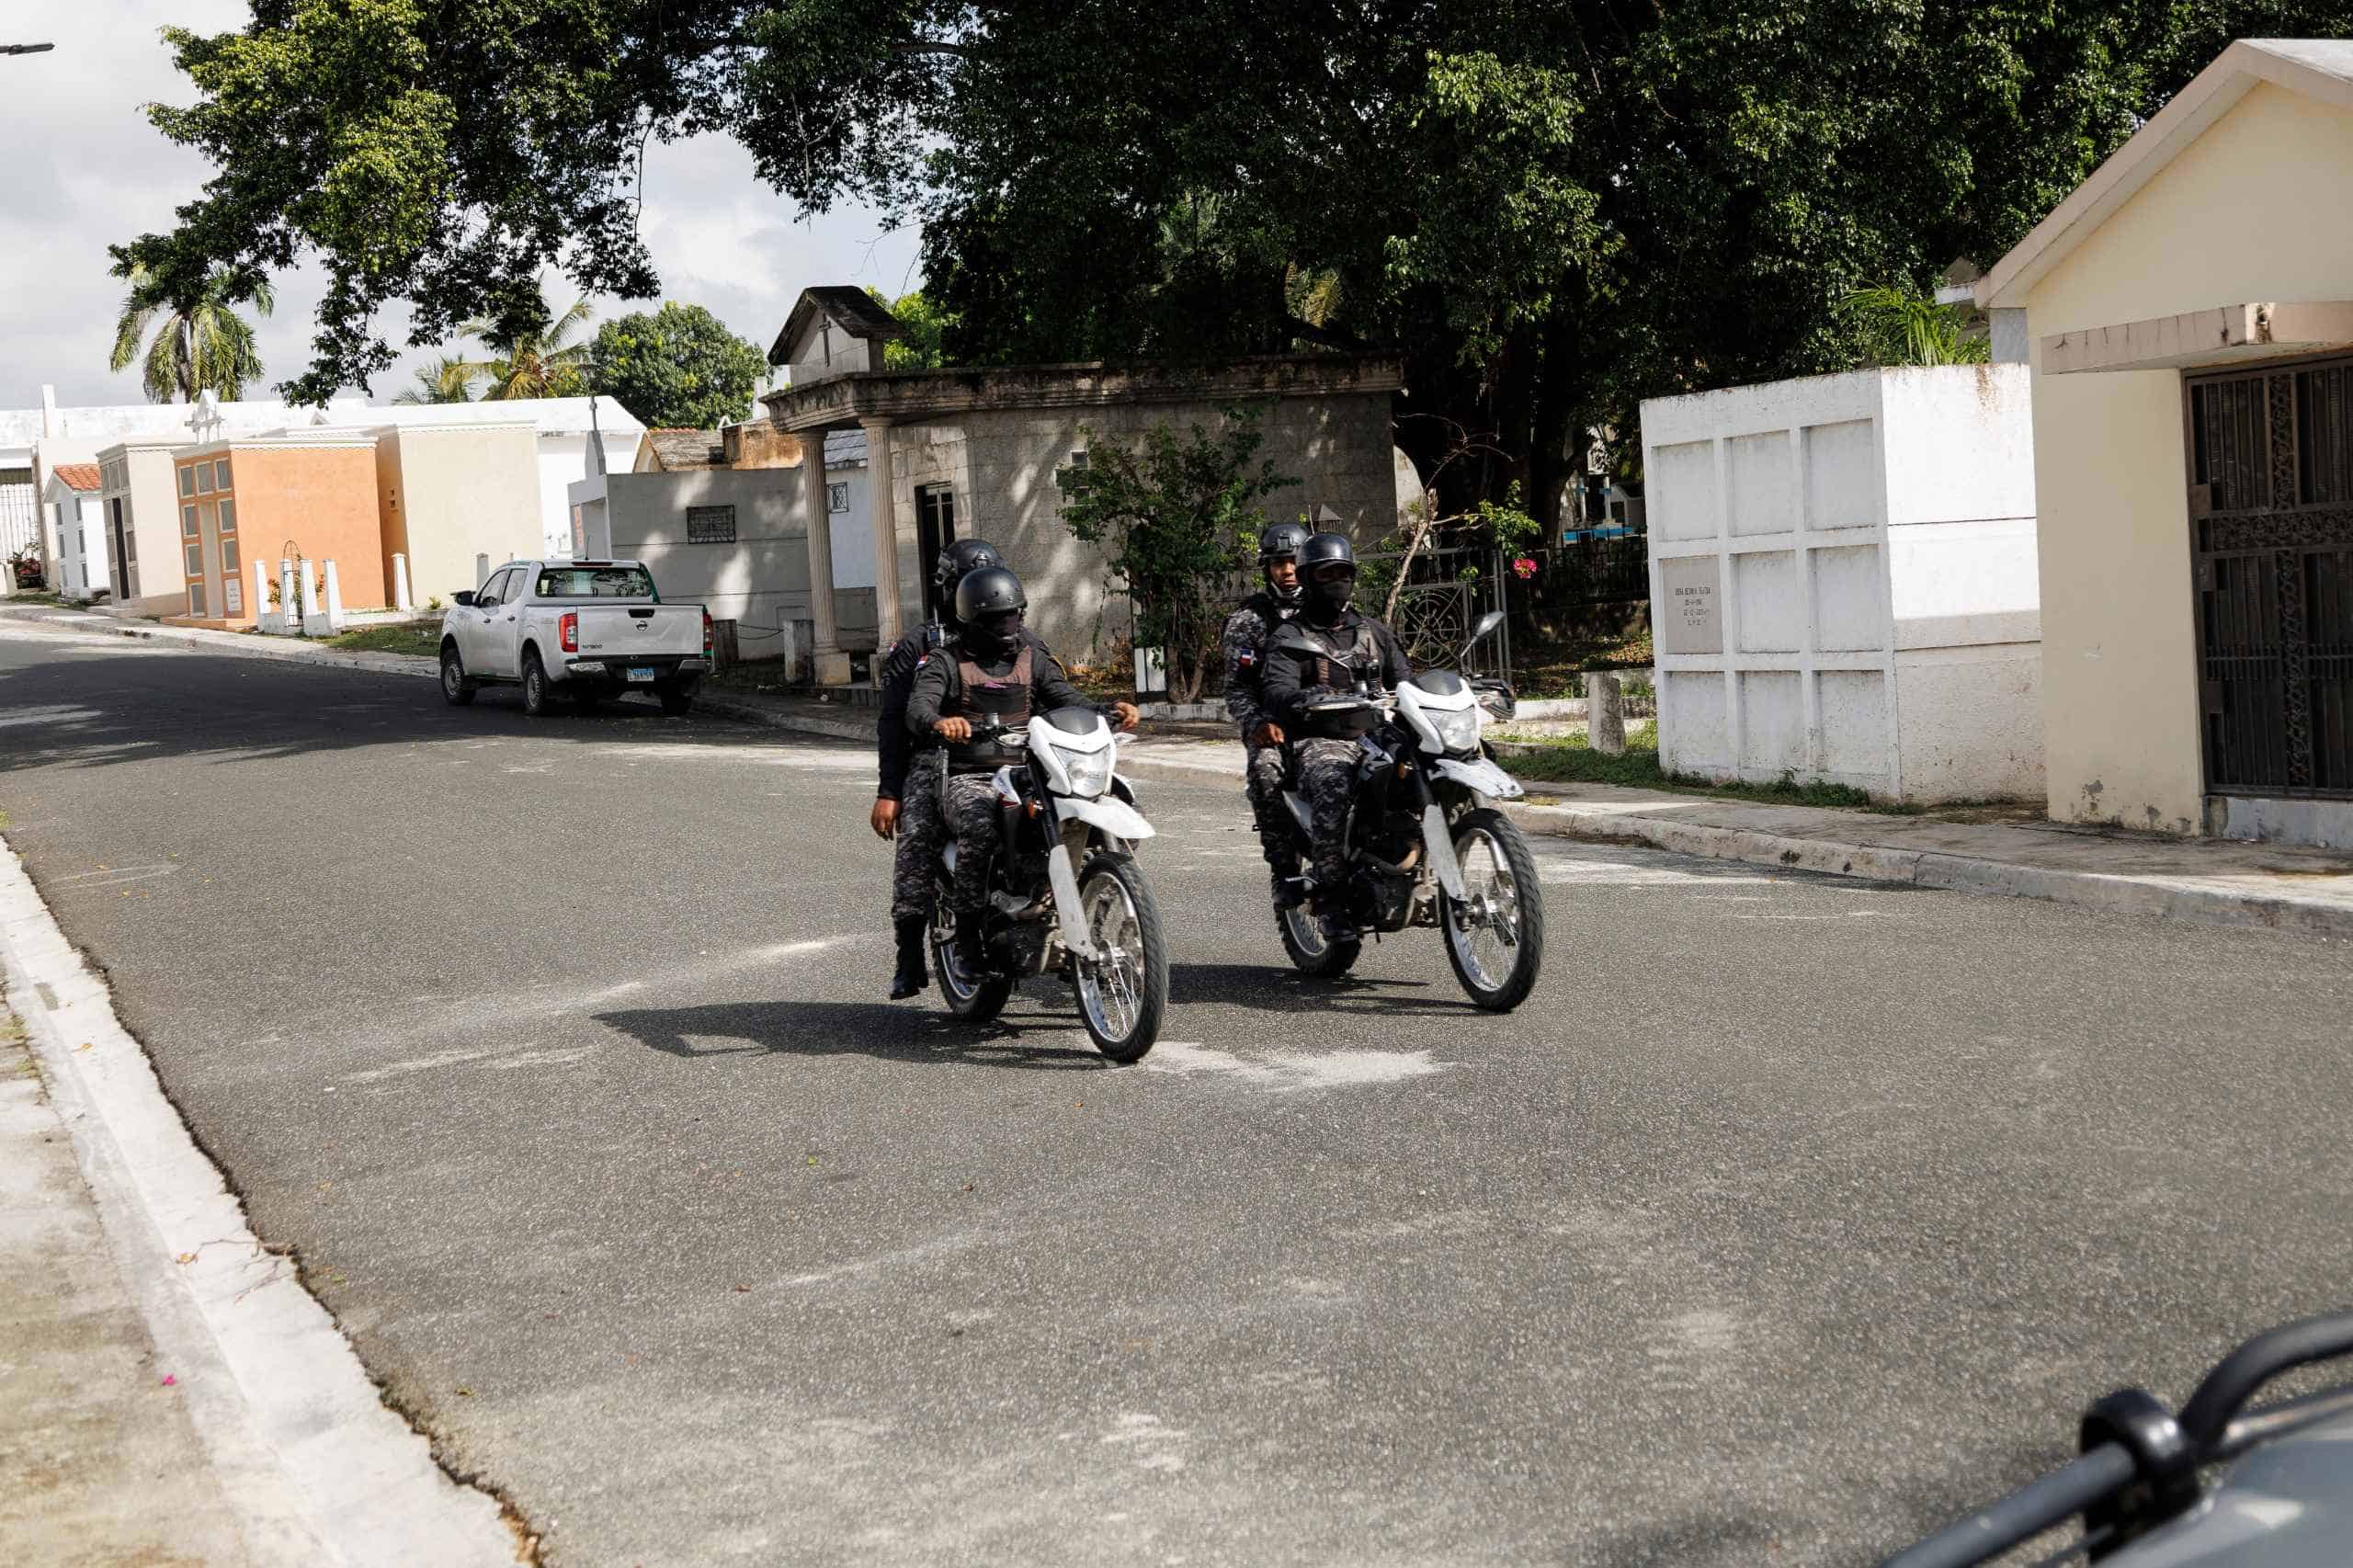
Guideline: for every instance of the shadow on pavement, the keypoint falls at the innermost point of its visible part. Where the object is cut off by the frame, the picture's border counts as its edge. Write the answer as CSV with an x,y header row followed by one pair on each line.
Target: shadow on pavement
x,y
82,707
1279,988
894,1031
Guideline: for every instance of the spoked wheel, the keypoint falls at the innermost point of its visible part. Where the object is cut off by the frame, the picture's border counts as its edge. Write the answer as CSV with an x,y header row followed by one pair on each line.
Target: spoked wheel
x,y
1494,935
971,997
1122,993
1309,952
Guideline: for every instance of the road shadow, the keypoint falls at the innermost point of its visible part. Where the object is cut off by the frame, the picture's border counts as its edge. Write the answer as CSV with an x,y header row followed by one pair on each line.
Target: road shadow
x,y
893,1031
83,707
1279,988
1724,1540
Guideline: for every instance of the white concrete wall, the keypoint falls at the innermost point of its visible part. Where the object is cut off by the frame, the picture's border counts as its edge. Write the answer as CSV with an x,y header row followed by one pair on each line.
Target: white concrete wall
x,y
1844,585
2258,208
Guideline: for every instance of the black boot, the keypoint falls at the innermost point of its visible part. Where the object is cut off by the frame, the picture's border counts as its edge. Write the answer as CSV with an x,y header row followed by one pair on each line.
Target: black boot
x,y
912,976
972,946
1290,889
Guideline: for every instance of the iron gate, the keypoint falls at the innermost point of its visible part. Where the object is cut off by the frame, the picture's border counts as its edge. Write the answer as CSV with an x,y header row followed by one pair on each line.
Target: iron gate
x,y
2271,521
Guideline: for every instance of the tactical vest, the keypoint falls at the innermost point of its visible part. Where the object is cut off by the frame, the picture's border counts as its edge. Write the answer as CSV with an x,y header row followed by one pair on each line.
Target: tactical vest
x,y
987,698
1362,650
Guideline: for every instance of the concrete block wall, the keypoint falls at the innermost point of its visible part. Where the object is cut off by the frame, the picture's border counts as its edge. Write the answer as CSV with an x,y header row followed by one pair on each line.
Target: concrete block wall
x,y
1843,582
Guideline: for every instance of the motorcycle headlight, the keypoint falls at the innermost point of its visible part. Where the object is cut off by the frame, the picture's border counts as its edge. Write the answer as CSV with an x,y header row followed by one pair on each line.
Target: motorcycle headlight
x,y
1458,731
1090,771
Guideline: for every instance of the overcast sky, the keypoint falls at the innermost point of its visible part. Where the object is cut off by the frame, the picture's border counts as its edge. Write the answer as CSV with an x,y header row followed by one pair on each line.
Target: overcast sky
x,y
85,169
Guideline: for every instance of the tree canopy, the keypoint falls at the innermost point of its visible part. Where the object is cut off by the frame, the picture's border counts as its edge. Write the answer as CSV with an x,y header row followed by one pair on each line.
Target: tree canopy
x,y
678,366
1553,208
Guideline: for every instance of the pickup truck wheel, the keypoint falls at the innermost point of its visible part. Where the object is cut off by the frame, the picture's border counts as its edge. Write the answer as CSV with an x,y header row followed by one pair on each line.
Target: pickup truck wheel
x,y
675,698
457,686
534,686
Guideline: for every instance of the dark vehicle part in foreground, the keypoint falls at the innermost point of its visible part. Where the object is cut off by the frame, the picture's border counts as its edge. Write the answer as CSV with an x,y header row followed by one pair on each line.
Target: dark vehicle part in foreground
x,y
1065,894
1426,847
2287,1502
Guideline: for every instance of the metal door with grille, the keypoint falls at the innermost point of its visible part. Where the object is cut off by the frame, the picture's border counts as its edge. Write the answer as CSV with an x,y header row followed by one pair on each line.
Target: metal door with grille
x,y
2271,521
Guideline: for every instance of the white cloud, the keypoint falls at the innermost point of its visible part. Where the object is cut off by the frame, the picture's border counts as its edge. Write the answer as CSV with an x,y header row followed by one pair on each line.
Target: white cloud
x,y
87,170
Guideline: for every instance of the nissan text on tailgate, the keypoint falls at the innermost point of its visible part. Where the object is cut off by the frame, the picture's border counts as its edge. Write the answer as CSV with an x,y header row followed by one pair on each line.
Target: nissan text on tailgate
x,y
585,629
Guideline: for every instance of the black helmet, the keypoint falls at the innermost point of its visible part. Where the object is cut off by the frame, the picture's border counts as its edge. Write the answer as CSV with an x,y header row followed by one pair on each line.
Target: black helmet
x,y
991,590
959,557
1323,550
1278,539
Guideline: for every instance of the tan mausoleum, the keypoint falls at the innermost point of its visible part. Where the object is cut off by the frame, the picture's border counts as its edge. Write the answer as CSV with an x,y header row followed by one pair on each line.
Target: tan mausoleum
x,y
2188,316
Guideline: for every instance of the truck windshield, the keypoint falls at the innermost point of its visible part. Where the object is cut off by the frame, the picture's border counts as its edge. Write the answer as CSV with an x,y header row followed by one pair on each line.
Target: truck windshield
x,y
596,583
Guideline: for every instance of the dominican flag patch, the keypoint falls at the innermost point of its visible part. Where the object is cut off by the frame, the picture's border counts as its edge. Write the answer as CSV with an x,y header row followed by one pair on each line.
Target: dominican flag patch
x,y
1247,657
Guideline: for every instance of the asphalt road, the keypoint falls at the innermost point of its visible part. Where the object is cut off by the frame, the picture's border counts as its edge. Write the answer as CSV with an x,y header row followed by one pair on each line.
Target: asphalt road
x,y
1791,1215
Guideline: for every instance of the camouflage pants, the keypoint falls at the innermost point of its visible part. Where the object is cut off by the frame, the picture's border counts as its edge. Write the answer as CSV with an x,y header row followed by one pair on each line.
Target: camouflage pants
x,y
969,807
1263,777
920,836
1327,777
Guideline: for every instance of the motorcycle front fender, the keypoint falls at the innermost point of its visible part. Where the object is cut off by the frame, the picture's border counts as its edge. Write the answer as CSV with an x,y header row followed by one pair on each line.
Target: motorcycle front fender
x,y
1062,875
1108,813
1478,773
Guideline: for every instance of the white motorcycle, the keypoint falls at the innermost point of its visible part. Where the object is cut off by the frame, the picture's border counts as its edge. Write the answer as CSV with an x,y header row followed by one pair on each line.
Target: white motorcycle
x,y
1065,894
1424,845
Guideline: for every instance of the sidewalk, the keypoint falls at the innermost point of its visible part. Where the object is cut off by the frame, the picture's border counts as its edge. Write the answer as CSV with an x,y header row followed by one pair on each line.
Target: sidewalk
x,y
2208,879
98,1460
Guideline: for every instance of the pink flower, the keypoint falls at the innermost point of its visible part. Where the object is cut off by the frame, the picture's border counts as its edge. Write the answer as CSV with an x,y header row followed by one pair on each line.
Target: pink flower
x,y
169,1380
1525,566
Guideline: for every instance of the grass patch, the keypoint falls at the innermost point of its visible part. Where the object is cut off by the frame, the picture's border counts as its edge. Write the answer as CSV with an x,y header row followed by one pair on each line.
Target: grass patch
x,y
763,674
1569,759
412,637
41,597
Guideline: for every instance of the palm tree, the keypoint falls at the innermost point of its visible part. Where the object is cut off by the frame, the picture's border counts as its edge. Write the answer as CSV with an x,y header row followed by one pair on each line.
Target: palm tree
x,y
446,380
201,344
538,361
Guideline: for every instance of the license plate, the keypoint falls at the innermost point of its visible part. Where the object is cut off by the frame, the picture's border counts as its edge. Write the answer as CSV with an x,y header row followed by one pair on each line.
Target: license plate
x,y
641,672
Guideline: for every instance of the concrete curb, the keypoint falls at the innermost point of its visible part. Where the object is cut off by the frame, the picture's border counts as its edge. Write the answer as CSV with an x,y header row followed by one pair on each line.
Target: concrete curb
x,y
315,1467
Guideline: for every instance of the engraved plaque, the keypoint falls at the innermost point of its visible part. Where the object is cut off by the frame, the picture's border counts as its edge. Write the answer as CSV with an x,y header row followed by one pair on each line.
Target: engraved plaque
x,y
1690,616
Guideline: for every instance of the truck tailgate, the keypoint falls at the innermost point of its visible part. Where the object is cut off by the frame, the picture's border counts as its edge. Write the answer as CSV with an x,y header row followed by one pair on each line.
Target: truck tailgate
x,y
626,631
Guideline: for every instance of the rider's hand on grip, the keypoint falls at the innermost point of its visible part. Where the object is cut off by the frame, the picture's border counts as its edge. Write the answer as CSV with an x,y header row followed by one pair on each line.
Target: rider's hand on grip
x,y
1127,713
953,728
1268,734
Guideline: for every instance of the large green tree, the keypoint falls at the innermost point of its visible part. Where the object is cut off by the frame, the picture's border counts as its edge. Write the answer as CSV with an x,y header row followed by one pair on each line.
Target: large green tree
x,y
1552,208
678,365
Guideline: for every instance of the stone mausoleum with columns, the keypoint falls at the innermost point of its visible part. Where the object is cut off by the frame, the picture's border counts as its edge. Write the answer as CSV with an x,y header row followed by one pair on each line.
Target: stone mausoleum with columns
x,y
973,452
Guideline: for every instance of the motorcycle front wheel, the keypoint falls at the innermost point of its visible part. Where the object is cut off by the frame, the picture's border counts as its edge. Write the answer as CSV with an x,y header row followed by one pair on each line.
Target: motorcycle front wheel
x,y
1494,933
1123,993
971,997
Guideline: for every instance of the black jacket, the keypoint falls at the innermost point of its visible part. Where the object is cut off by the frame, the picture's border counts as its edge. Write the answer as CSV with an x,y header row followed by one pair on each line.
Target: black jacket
x,y
1244,644
937,687
891,739
1289,682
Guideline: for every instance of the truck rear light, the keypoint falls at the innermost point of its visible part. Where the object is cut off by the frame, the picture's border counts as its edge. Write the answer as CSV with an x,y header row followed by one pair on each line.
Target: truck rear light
x,y
706,634
570,626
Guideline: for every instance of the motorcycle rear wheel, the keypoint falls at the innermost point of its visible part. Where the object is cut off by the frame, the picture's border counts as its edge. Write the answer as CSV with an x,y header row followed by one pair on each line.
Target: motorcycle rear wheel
x,y
1122,1000
1495,936
1309,953
971,998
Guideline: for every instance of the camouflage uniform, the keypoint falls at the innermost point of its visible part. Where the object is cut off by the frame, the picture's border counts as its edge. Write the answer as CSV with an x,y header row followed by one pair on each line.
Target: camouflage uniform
x,y
967,810
1244,644
1327,777
911,778
1326,766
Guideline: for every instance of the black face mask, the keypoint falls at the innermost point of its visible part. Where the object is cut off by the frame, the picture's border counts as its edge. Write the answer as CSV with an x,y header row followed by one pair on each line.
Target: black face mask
x,y
1329,598
996,636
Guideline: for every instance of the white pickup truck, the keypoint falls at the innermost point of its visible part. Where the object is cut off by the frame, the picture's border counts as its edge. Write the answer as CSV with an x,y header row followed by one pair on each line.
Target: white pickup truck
x,y
583,629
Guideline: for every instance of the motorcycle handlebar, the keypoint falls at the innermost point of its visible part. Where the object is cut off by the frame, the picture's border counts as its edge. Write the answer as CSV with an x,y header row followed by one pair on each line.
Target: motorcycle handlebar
x,y
2038,1506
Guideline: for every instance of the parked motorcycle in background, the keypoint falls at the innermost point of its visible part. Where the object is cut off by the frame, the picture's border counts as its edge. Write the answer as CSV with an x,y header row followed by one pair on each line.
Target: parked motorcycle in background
x,y
1426,846
1066,896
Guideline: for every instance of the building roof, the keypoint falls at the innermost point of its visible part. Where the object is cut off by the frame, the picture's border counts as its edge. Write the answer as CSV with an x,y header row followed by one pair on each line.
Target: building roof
x,y
675,450
78,476
549,416
2317,68
852,308
837,401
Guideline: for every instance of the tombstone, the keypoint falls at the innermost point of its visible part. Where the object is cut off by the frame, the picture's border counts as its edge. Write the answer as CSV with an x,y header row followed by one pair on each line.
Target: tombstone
x,y
400,600
1605,713
335,601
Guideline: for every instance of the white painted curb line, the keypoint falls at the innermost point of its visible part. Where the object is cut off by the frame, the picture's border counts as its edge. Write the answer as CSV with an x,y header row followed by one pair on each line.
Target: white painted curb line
x,y
314,1466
